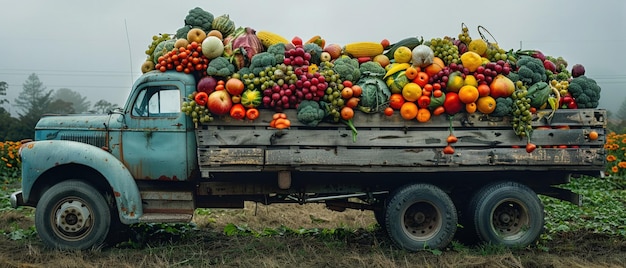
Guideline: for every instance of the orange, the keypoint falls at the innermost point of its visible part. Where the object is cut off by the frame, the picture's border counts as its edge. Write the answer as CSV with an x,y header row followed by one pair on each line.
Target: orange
x,y
483,90
347,113
411,72
486,104
408,110
470,108
593,135
347,93
468,94
435,67
423,115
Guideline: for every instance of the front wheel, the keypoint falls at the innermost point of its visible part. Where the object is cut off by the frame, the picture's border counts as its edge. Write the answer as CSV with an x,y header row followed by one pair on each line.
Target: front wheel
x,y
421,216
72,215
507,213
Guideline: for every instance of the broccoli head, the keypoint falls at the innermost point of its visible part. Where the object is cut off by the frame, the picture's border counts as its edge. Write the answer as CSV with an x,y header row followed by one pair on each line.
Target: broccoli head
x,y
182,32
200,18
278,50
504,107
261,61
372,68
531,70
220,66
310,113
347,68
585,91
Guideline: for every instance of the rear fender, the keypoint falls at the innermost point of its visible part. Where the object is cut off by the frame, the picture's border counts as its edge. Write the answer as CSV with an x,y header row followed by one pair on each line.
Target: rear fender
x,y
41,156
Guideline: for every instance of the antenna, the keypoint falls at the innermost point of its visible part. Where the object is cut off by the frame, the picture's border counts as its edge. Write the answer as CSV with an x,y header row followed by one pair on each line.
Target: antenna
x,y
129,53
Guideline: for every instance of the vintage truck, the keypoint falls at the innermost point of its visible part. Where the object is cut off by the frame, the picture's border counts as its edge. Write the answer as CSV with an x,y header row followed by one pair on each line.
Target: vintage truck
x,y
89,176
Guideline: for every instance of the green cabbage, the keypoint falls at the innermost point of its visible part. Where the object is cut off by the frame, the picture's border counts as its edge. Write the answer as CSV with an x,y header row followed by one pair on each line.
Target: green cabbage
x,y
375,95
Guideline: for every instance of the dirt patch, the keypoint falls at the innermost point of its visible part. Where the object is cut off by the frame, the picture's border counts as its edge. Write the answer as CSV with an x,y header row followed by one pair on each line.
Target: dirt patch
x,y
364,247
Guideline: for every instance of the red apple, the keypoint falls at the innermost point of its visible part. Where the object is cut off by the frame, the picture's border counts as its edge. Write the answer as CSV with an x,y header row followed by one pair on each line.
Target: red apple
x,y
219,102
206,84
334,50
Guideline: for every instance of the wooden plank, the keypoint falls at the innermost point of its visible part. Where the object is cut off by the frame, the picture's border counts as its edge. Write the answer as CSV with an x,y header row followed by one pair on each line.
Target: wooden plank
x,y
416,137
569,117
230,156
349,158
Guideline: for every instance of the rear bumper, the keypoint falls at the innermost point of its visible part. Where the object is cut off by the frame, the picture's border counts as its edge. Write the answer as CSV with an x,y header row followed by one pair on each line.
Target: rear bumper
x,y
17,200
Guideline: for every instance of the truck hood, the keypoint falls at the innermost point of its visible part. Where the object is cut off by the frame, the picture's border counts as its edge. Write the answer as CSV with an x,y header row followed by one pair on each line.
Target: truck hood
x,y
73,122
91,129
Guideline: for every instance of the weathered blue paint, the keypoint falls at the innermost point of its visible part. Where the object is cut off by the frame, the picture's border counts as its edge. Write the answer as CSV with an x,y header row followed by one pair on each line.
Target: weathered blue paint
x,y
41,156
149,139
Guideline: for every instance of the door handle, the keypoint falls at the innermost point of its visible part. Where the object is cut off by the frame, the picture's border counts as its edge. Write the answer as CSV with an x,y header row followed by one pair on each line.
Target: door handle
x,y
177,125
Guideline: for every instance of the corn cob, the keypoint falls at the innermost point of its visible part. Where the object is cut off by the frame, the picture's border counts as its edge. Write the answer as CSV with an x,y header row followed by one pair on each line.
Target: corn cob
x,y
363,49
268,38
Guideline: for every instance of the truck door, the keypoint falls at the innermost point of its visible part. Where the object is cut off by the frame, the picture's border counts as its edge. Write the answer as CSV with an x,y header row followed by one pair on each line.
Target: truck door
x,y
154,141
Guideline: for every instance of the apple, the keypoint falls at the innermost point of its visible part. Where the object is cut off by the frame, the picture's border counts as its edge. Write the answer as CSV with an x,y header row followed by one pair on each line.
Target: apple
x,y
181,42
501,86
385,43
334,50
297,41
215,33
219,102
549,65
206,84
325,56
196,35
382,59
147,66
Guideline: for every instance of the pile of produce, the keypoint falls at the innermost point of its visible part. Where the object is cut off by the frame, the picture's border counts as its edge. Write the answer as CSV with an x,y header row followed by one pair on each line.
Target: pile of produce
x,y
242,72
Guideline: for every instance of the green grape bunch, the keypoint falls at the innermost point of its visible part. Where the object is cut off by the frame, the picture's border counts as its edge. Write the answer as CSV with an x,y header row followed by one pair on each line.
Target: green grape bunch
x,y
445,50
464,36
156,39
522,117
332,95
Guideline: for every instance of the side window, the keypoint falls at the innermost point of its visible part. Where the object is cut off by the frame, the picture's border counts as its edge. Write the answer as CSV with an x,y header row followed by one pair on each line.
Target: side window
x,y
157,102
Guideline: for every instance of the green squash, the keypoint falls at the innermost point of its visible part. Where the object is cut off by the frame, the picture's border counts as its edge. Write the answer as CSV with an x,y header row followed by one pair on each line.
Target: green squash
x,y
251,98
224,25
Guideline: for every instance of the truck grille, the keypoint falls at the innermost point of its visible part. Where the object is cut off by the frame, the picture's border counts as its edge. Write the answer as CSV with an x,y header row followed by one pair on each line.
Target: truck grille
x,y
98,140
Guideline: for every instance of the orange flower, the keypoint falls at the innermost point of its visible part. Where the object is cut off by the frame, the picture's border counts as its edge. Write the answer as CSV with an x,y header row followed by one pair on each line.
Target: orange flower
x,y
622,164
611,158
614,169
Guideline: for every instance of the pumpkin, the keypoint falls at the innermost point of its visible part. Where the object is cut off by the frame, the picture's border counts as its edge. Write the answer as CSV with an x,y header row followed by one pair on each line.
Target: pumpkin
x,y
224,25
251,98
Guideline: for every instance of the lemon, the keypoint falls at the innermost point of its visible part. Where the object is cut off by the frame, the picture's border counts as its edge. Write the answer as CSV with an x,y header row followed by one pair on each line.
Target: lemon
x,y
411,91
471,60
471,80
478,46
402,55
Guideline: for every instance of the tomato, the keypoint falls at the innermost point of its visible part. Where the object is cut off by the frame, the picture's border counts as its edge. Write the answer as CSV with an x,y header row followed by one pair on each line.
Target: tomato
x,y
453,104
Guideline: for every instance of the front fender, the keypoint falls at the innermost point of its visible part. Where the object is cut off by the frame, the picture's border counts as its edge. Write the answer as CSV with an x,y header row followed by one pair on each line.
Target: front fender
x,y
41,156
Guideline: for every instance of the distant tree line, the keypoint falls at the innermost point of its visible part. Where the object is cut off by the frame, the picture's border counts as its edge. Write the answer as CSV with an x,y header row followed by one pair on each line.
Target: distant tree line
x,y
35,100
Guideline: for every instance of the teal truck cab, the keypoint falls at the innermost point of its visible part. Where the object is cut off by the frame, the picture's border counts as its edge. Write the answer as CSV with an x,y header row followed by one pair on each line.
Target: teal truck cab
x,y
88,176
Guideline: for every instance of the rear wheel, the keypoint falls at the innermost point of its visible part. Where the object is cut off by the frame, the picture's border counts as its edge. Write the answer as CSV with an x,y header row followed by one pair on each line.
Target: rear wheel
x,y
421,216
507,213
72,215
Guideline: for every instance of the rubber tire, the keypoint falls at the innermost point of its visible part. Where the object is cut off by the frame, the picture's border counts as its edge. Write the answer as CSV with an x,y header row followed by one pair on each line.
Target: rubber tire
x,y
517,204
432,201
67,192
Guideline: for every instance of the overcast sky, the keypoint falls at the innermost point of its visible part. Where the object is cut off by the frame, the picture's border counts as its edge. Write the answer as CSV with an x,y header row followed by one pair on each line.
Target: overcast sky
x,y
96,47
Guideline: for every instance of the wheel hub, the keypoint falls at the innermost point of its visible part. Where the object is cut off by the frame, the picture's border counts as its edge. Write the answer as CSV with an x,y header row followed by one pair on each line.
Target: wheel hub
x,y
72,217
